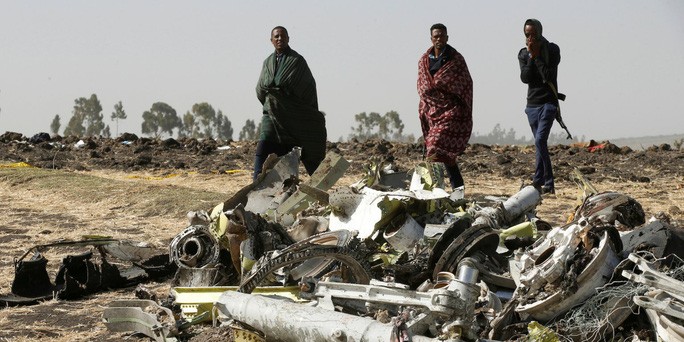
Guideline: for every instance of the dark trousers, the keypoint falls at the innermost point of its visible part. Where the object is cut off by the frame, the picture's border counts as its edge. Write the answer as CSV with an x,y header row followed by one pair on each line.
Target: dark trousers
x,y
454,174
541,119
264,148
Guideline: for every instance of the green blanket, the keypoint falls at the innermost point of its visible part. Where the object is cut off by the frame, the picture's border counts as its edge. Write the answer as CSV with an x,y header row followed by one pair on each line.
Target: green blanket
x,y
290,106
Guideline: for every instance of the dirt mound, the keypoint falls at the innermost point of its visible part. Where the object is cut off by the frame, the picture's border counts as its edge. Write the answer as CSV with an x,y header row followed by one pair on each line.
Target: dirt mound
x,y
130,153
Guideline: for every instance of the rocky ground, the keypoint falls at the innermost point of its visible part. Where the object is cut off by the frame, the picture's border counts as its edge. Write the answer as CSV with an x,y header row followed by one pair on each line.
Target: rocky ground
x,y
133,196
129,153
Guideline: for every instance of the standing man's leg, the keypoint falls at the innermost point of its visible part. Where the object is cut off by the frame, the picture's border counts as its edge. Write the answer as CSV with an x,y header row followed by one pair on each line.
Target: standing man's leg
x,y
455,177
533,114
546,119
264,148
260,157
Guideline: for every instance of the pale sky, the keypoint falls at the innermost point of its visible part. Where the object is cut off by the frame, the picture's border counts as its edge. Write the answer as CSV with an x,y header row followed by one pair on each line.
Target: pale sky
x,y
622,61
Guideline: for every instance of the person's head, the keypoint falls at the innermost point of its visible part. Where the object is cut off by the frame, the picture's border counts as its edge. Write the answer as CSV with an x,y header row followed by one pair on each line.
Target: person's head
x,y
532,29
280,39
438,36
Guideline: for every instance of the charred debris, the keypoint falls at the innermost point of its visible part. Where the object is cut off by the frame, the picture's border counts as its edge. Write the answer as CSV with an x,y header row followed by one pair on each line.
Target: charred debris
x,y
393,257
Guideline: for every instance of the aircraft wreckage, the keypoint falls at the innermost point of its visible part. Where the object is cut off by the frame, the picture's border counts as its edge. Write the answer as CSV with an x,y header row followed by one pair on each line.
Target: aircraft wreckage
x,y
392,257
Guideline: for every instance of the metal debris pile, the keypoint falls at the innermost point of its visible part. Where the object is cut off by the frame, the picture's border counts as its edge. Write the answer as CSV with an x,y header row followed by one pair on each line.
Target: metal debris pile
x,y
396,257
104,264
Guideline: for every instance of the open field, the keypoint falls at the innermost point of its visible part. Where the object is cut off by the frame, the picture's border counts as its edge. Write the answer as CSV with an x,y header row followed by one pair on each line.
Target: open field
x,y
90,191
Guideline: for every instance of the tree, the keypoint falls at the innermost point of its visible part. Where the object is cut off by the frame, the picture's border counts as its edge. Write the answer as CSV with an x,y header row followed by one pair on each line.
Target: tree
x,y
498,135
118,114
224,128
188,127
249,131
391,127
205,122
54,126
159,119
376,126
87,117
91,111
106,132
75,126
366,125
205,117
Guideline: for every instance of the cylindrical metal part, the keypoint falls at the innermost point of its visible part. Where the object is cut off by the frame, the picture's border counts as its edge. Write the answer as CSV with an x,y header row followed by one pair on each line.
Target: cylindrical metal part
x,y
286,321
467,289
467,271
525,200
465,284
192,247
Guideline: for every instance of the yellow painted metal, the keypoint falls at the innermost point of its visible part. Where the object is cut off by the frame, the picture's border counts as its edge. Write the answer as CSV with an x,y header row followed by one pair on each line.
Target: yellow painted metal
x,y
194,301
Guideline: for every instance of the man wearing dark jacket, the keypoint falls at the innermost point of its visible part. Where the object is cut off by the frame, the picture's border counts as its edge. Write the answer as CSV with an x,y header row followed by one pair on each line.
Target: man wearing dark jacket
x,y
539,61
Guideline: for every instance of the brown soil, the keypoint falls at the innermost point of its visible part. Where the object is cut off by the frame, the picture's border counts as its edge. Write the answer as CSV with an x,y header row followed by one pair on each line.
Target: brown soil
x,y
142,190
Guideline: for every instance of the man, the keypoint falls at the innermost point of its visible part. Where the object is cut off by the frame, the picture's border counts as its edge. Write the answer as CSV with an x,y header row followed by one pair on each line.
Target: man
x,y
446,103
539,61
287,91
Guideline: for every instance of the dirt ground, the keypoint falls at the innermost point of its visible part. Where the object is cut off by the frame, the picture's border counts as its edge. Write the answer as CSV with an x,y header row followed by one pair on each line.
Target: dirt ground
x,y
141,190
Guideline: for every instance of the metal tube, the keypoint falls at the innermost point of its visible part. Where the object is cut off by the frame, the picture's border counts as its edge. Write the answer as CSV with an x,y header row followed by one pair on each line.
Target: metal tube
x,y
465,284
525,200
287,321
467,271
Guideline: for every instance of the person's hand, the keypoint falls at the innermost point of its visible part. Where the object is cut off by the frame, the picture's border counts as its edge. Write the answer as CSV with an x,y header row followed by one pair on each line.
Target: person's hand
x,y
533,47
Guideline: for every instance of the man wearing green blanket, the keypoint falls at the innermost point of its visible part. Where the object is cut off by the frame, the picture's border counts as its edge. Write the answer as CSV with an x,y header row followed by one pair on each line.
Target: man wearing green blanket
x,y
287,91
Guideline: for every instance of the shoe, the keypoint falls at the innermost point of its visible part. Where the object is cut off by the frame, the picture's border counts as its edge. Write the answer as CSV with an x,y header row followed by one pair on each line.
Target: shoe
x,y
458,193
547,190
537,187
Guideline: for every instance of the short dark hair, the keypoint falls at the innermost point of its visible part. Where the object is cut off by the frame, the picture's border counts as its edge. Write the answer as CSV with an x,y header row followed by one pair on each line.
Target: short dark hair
x,y
438,26
282,28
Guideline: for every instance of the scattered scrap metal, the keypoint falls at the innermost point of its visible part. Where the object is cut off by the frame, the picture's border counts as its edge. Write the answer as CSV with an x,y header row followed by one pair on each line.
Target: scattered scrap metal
x,y
395,257
105,263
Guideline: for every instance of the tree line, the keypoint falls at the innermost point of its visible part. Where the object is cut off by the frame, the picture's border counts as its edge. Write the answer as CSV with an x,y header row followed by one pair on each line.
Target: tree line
x,y
500,136
390,127
203,121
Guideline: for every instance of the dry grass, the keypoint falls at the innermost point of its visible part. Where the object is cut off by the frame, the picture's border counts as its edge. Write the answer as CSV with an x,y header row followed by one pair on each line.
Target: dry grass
x,y
41,206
